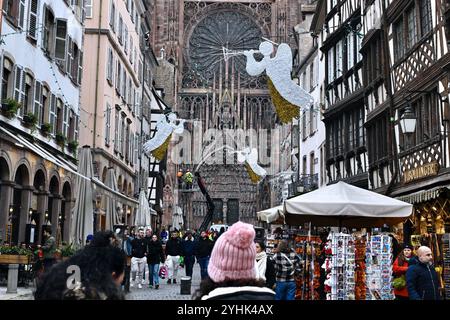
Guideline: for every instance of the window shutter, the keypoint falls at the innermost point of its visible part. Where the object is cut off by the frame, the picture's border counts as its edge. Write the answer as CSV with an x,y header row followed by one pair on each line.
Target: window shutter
x,y
108,124
109,65
80,66
60,39
69,57
116,131
53,113
18,84
38,101
88,9
65,128
33,19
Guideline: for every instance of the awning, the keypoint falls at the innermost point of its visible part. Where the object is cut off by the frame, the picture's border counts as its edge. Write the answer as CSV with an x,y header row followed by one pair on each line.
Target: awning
x,y
270,215
422,196
70,167
108,192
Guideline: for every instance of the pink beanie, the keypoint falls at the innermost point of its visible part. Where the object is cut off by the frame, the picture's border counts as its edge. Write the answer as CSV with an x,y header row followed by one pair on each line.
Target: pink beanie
x,y
234,254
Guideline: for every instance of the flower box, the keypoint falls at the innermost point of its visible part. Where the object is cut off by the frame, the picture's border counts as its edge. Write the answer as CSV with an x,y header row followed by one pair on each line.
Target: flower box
x,y
13,259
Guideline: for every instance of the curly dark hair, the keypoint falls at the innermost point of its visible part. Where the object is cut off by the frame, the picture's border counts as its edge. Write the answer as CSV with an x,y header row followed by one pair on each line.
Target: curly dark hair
x,y
207,285
96,263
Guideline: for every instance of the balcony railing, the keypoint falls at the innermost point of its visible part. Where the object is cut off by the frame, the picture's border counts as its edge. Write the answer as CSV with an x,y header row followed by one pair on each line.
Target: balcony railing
x,y
306,183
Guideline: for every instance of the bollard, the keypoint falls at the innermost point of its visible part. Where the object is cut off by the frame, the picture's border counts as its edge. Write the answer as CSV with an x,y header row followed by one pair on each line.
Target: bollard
x,y
13,275
185,287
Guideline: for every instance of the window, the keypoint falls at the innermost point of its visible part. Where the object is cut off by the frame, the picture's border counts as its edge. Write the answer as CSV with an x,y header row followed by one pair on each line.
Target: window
x,y
399,47
131,50
312,120
125,39
116,130
72,119
118,76
65,120
304,83
45,105
60,40
350,50
330,62
124,84
311,163
88,7
48,32
132,11
108,125
304,126
7,82
28,98
74,63
130,85
127,142
33,19
77,6
112,16
122,134
59,115
304,166
120,30
110,67
425,16
411,28
312,83
339,59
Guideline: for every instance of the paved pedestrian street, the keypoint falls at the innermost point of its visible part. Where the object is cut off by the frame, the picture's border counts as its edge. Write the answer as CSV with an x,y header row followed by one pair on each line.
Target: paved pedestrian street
x,y
166,291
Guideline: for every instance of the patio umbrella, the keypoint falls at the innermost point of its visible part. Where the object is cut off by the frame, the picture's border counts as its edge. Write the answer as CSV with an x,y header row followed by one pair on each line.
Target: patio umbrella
x,y
341,204
272,214
83,211
142,218
111,204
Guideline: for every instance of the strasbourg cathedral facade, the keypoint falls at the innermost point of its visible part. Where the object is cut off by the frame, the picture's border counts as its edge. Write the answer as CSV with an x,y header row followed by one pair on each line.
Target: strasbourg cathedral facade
x,y
214,92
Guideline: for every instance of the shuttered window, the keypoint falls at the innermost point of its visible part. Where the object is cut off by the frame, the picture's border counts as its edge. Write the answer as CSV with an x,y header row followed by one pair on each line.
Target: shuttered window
x,y
21,17
88,9
19,87
52,117
38,110
108,124
110,66
65,122
112,16
33,19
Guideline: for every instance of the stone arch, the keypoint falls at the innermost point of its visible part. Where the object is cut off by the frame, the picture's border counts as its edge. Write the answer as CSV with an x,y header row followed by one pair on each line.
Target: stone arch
x,y
53,186
5,166
130,190
124,187
119,183
23,163
39,181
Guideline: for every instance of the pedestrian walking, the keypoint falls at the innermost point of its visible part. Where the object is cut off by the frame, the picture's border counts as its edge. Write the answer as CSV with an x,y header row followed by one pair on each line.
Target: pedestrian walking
x,y
127,250
264,265
49,249
138,260
100,268
202,251
399,269
232,269
155,255
173,252
421,277
286,262
188,246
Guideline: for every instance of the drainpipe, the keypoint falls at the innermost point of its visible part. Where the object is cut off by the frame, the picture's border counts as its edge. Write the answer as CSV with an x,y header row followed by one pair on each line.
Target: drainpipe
x,y
97,75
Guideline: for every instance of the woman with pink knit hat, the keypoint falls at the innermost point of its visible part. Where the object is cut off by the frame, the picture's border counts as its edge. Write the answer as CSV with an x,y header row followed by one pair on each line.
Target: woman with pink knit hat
x,y
232,268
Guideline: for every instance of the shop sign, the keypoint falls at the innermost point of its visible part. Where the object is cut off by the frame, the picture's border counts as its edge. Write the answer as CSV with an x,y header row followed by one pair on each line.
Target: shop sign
x,y
426,170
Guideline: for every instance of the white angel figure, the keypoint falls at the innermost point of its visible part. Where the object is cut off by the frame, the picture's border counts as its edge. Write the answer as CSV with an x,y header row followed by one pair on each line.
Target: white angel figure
x,y
287,96
157,146
250,160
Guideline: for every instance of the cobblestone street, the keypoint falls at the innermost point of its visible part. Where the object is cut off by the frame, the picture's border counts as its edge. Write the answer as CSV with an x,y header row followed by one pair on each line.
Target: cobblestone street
x,y
166,291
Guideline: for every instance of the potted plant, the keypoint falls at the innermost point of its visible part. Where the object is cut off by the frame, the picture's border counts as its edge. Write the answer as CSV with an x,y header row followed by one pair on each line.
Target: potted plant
x,y
10,107
30,120
14,255
60,139
46,128
73,145
67,251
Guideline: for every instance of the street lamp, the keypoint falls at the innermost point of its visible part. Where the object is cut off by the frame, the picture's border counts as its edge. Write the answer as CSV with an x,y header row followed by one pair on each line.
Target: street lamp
x,y
408,120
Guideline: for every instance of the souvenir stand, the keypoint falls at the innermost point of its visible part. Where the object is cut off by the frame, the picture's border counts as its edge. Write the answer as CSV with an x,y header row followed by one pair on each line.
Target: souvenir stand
x,y
446,272
352,260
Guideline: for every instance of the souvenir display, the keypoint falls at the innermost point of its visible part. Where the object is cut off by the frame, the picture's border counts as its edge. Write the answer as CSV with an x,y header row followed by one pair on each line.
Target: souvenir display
x,y
446,271
308,284
342,276
360,271
379,261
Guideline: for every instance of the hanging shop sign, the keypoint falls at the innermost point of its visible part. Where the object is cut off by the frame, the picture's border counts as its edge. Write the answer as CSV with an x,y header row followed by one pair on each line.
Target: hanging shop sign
x,y
426,170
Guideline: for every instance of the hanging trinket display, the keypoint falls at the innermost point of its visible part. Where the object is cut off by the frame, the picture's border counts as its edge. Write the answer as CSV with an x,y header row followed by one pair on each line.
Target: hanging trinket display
x,y
379,268
308,284
360,271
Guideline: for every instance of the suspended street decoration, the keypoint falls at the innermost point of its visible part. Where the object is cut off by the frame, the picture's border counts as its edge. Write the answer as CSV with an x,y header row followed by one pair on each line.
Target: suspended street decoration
x,y
166,127
250,160
287,96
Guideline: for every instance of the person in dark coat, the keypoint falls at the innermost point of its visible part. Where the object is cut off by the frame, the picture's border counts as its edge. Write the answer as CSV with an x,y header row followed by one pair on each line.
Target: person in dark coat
x,y
232,268
173,252
421,278
188,246
155,255
202,251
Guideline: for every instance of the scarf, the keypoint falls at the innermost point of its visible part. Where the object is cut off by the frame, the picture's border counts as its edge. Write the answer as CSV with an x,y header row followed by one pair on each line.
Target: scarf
x,y
261,264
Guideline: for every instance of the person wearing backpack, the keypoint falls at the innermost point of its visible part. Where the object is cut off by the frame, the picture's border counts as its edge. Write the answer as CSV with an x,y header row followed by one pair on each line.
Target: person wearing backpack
x,y
286,263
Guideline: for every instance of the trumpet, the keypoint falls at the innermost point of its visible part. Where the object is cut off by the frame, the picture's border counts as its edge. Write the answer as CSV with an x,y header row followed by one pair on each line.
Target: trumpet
x,y
232,53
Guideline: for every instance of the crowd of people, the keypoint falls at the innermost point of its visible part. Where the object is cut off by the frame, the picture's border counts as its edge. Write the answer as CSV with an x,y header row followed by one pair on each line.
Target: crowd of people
x,y
232,266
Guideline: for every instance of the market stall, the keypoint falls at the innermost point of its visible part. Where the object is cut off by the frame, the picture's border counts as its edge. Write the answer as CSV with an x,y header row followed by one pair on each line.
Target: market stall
x,y
353,262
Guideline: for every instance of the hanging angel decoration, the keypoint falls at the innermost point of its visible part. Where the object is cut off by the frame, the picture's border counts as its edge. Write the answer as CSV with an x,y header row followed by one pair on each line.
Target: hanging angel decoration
x,y
250,160
157,146
287,96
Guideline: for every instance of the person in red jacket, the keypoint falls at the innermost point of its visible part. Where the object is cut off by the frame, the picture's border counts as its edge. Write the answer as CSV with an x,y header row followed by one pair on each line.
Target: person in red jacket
x,y
400,267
